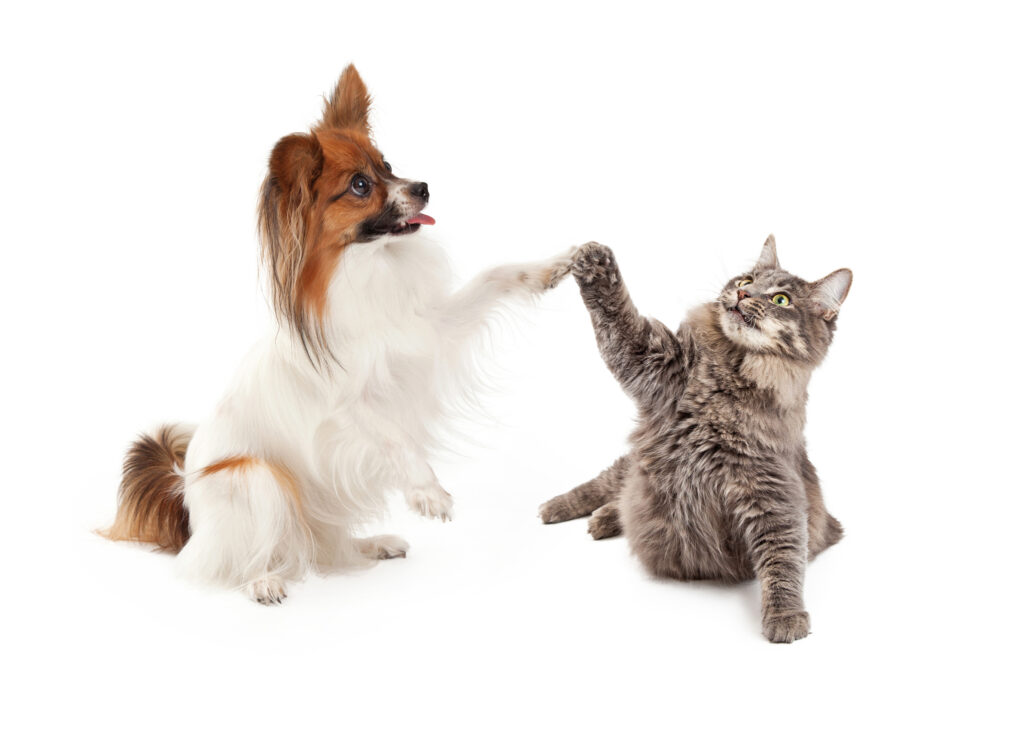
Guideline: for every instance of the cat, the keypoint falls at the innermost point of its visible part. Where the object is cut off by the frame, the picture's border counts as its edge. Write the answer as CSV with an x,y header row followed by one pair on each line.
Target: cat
x,y
717,484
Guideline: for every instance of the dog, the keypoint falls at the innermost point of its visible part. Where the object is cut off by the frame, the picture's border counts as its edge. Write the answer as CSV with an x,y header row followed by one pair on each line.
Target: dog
x,y
343,402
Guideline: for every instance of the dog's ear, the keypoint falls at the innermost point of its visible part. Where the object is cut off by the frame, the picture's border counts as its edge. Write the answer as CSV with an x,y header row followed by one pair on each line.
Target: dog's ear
x,y
285,204
349,105
295,163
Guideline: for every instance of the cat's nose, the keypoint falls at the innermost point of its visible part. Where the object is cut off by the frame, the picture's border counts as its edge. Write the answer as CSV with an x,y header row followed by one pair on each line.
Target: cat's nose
x,y
742,295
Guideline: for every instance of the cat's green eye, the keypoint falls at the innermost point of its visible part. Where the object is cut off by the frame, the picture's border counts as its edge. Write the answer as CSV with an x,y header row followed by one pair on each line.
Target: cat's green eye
x,y
781,300
744,282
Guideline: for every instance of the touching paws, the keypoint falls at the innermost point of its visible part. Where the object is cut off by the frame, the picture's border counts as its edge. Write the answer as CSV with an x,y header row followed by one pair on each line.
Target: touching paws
x,y
545,275
431,501
786,627
594,261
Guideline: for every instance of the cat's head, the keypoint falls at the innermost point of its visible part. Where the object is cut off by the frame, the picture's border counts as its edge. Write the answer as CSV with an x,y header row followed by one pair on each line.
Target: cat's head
x,y
769,310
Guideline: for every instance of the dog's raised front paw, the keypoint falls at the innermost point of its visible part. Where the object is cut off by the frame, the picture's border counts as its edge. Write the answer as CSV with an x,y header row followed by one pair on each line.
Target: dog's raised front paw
x,y
432,502
556,268
538,277
786,627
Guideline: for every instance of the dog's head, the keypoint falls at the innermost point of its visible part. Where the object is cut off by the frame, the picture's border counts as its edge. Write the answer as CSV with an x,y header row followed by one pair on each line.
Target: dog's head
x,y
326,190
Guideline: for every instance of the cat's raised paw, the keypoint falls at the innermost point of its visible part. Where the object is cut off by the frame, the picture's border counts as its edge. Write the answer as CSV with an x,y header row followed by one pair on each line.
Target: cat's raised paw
x,y
593,261
786,627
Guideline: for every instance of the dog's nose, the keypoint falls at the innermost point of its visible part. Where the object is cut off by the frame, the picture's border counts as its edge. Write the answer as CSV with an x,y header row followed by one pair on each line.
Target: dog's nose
x,y
420,191
742,295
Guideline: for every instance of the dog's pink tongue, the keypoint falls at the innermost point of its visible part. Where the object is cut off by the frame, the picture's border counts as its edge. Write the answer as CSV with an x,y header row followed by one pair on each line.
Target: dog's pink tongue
x,y
422,219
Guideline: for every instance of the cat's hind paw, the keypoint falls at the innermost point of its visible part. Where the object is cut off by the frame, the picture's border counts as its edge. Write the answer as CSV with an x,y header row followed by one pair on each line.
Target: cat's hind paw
x,y
605,523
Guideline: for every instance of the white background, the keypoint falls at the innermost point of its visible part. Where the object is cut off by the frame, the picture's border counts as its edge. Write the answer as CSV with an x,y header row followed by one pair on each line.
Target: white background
x,y
882,137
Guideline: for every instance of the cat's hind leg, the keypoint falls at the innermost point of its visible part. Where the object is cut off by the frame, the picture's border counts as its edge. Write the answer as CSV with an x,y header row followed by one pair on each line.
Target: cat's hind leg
x,y
605,523
823,528
587,497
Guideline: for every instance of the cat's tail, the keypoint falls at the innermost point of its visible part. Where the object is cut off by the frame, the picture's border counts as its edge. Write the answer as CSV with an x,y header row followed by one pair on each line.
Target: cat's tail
x,y
586,498
150,501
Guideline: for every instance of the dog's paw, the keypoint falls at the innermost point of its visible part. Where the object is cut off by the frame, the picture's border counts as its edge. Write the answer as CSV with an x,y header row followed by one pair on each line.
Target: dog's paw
x,y
593,261
556,269
786,627
268,590
535,277
431,501
384,546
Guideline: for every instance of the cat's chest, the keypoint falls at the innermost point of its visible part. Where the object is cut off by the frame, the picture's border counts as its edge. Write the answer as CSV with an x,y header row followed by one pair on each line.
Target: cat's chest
x,y
715,429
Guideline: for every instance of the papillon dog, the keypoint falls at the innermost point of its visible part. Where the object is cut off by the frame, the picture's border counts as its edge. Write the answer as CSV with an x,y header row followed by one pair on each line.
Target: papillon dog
x,y
343,402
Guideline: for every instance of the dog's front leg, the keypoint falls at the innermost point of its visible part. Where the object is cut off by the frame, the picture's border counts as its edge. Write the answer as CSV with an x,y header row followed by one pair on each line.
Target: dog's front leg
x,y
422,490
469,307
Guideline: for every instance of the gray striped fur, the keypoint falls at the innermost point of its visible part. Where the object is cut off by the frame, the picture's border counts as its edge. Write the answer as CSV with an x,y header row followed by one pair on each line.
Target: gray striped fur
x,y
717,484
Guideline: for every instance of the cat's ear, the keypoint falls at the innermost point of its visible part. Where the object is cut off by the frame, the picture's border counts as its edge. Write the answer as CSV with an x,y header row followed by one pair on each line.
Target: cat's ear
x,y
768,259
829,292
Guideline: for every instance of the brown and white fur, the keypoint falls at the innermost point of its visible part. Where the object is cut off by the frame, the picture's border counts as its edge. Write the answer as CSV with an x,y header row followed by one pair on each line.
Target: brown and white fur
x,y
339,405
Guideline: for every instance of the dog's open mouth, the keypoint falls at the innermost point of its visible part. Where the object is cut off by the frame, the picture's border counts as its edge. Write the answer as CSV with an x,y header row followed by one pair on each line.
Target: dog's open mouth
x,y
413,224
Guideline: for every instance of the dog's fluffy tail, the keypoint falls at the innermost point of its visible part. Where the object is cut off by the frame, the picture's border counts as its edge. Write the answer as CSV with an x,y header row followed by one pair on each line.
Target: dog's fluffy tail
x,y
150,502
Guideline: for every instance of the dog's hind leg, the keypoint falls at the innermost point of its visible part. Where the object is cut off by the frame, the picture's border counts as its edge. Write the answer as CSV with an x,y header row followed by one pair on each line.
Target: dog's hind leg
x,y
248,528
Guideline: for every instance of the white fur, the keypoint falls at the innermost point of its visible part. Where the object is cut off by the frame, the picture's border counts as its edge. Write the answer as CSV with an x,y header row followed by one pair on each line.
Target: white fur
x,y
347,433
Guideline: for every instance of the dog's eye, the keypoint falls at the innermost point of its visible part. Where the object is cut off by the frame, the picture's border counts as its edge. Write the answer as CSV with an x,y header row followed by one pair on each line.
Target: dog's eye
x,y
387,166
360,186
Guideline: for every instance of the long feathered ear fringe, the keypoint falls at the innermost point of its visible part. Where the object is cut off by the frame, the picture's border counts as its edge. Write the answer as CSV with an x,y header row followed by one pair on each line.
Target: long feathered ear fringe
x,y
768,259
831,291
284,211
349,105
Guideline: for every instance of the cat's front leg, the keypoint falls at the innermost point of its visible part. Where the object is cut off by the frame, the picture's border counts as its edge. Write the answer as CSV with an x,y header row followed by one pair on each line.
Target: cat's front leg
x,y
642,353
780,559
776,535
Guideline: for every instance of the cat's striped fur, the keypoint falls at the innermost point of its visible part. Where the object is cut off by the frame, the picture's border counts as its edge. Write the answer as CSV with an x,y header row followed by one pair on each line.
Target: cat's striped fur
x,y
717,484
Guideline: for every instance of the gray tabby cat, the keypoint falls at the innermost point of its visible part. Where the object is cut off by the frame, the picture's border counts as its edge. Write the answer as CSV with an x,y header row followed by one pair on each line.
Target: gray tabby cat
x,y
717,484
